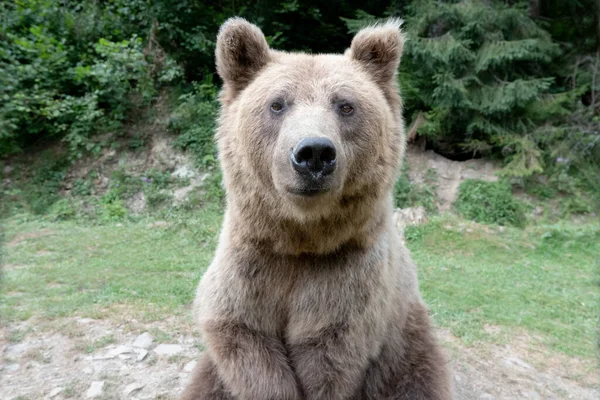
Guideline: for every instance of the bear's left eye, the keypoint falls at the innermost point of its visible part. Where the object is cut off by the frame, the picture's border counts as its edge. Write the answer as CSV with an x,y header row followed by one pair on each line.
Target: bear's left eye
x,y
346,109
276,107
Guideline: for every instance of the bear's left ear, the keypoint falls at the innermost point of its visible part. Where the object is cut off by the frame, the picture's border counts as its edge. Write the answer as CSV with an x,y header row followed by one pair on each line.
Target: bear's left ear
x,y
378,49
242,51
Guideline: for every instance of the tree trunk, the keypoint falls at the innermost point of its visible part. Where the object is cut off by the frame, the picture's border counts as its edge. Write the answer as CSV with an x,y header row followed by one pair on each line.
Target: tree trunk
x,y
535,8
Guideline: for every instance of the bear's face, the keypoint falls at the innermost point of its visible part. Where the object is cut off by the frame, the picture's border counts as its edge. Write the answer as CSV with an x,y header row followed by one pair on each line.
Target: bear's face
x,y
309,130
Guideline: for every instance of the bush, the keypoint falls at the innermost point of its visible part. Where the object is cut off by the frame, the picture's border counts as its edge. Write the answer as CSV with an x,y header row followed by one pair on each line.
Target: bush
x,y
489,203
69,70
408,193
194,122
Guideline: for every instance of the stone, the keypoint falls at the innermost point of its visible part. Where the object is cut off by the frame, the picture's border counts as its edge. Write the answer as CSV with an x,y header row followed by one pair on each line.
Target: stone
x,y
12,367
137,202
96,389
141,354
168,349
183,171
54,392
189,367
132,387
181,194
530,394
16,350
88,370
102,182
117,351
410,216
517,361
143,341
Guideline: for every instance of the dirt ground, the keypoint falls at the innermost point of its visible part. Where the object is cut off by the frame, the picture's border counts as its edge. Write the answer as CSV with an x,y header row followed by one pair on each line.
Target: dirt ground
x,y
55,360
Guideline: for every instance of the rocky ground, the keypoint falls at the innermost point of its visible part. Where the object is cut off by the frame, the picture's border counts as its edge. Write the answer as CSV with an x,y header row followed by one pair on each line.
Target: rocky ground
x,y
81,358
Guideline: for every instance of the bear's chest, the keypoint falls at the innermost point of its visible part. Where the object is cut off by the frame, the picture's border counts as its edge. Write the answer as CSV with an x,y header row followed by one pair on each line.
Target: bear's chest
x,y
297,296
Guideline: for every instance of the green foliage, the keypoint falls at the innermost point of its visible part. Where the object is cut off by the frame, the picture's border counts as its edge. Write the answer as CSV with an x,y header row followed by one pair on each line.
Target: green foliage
x,y
475,70
62,210
194,122
42,187
489,203
408,193
489,79
69,70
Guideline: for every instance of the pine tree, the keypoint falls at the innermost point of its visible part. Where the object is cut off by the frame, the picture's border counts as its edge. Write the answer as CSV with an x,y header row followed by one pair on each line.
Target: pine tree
x,y
477,72
475,69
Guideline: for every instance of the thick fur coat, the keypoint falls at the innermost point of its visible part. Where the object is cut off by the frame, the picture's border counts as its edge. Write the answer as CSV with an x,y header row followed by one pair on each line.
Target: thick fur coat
x,y
311,294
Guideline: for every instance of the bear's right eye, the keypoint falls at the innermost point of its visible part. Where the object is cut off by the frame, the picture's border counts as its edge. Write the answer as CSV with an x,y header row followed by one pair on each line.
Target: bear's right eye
x,y
276,107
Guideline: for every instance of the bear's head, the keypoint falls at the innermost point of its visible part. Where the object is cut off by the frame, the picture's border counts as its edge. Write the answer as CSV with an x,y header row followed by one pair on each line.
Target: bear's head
x,y
310,145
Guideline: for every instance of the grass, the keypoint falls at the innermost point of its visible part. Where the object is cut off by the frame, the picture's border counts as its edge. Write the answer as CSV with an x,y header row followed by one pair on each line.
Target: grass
x,y
98,344
541,281
64,268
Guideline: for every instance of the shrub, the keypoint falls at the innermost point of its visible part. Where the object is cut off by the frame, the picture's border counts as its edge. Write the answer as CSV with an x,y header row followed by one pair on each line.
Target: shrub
x,y
408,193
69,70
489,203
194,122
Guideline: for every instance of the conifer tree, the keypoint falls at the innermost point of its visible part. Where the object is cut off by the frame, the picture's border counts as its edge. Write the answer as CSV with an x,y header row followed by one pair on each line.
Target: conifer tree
x,y
477,70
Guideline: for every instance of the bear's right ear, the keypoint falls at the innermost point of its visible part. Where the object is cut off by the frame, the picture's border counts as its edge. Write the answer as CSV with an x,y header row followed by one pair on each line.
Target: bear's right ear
x,y
242,51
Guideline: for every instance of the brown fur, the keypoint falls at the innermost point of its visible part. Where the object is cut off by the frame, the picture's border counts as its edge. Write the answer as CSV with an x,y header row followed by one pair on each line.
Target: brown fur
x,y
312,298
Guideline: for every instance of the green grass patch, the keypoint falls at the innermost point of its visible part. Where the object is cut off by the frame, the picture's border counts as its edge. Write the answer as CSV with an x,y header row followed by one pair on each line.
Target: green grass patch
x,y
64,268
543,280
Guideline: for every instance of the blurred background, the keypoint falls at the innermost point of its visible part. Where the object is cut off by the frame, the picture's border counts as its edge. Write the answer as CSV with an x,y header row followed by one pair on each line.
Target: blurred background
x,y
111,198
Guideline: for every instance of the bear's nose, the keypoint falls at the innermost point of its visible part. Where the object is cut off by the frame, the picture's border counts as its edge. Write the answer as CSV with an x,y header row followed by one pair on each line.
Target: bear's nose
x,y
314,156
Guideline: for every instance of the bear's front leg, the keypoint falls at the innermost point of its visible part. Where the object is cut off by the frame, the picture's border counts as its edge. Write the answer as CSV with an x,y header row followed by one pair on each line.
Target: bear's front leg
x,y
330,365
205,384
411,364
251,365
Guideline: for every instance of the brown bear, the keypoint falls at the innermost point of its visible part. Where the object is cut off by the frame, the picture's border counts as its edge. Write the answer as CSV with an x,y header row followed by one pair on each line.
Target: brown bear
x,y
311,294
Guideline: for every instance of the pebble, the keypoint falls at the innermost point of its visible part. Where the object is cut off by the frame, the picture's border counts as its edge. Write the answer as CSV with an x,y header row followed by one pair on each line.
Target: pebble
x,y
54,392
95,390
12,367
518,362
143,341
189,367
132,387
142,354
16,349
531,395
168,349
117,351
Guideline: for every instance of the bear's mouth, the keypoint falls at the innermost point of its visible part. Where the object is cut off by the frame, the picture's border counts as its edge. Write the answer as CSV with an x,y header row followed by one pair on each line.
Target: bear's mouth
x,y
307,192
